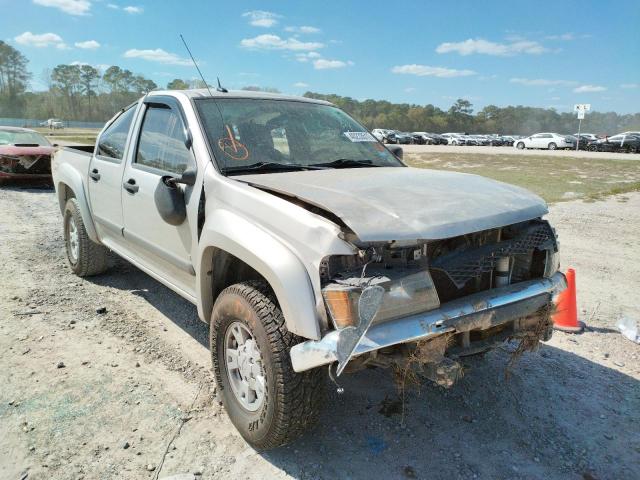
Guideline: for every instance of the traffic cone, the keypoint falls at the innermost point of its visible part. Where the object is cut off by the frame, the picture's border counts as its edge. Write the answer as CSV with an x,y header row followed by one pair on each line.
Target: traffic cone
x,y
565,318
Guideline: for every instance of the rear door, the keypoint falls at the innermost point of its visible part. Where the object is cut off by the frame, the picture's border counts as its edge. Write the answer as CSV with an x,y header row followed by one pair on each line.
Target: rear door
x,y
105,177
160,150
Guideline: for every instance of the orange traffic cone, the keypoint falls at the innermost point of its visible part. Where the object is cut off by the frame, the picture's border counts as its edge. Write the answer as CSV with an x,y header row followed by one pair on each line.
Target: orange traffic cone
x,y
566,316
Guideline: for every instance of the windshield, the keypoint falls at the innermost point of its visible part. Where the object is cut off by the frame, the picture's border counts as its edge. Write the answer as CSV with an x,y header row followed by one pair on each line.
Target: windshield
x,y
9,137
281,134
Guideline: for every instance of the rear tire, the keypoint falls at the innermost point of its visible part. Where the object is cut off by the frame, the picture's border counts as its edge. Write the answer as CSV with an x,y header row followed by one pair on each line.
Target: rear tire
x,y
85,257
520,146
267,401
552,146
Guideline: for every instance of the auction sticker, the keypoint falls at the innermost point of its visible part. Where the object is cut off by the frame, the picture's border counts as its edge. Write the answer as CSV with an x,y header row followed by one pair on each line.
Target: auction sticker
x,y
360,136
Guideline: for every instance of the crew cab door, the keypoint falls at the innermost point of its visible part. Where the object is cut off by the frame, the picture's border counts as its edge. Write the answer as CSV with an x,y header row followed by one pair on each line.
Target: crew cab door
x,y
159,150
105,177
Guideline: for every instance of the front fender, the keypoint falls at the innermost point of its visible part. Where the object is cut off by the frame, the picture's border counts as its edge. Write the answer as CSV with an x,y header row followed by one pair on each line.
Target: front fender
x,y
283,270
66,175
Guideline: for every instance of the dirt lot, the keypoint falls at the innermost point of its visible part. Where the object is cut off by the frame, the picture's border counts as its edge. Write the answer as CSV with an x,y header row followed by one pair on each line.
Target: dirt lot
x,y
105,395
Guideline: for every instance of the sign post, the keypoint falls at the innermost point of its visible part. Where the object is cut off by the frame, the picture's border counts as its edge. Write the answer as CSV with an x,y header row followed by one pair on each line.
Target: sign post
x,y
580,108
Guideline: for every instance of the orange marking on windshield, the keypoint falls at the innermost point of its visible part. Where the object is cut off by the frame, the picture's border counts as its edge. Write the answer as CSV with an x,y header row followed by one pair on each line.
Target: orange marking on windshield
x,y
231,147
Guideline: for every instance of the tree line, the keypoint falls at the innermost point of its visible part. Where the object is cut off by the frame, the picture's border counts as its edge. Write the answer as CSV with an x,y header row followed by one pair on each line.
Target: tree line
x,y
82,92
517,120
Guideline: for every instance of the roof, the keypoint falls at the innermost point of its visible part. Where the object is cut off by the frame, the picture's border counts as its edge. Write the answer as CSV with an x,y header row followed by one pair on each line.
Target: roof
x,y
16,129
204,93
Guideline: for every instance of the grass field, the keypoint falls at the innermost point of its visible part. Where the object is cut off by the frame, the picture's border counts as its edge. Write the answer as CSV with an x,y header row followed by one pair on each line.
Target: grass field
x,y
554,179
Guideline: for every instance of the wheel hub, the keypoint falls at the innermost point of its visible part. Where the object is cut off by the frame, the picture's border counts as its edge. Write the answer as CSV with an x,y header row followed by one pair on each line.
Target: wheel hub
x,y
73,239
243,363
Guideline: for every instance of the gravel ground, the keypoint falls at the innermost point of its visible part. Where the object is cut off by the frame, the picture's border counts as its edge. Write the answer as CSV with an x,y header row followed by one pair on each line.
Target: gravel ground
x,y
515,151
105,377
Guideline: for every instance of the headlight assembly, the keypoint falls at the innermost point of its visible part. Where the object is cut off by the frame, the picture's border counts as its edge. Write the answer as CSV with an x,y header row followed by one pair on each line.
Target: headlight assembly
x,y
406,292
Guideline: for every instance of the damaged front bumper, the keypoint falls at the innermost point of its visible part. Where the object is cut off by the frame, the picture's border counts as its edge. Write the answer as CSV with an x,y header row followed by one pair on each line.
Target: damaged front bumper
x,y
478,311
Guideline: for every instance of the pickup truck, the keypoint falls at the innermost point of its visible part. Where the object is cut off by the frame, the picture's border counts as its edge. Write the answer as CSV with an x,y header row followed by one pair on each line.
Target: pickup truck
x,y
308,246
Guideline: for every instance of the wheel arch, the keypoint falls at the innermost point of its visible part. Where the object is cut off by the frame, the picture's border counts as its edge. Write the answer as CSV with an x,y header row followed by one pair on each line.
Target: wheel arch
x,y
69,184
233,249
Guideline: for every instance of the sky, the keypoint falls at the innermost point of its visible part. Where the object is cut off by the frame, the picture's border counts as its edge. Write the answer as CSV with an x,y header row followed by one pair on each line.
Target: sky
x,y
547,53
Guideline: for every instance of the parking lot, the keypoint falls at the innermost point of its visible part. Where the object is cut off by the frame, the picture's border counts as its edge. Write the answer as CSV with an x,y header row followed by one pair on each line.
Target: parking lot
x,y
103,395
418,149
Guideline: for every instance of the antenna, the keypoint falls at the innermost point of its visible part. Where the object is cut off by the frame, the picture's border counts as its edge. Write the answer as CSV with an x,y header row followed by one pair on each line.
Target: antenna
x,y
220,87
196,65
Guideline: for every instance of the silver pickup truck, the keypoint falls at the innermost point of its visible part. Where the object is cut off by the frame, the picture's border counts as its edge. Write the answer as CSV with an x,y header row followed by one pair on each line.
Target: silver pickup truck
x,y
308,246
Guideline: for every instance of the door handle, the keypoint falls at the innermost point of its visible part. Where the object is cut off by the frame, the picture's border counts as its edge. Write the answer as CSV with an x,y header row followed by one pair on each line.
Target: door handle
x,y
130,186
95,176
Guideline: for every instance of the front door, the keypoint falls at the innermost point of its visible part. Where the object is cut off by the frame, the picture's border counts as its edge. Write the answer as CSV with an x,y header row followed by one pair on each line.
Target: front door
x,y
105,178
160,151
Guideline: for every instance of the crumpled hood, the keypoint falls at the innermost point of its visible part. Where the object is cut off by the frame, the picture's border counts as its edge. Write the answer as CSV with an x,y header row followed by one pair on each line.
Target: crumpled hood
x,y
387,203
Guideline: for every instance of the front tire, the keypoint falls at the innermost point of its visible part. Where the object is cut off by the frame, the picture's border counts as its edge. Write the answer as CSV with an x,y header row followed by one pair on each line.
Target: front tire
x,y
552,146
85,257
520,146
267,401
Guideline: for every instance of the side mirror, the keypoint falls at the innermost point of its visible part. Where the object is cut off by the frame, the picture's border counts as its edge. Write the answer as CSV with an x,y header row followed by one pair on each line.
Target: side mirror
x,y
188,177
396,150
188,139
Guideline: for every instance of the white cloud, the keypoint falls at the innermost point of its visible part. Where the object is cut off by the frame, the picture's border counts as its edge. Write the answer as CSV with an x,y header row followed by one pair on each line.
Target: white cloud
x,y
324,64
427,71
157,55
41,40
88,45
112,6
261,18
72,7
274,42
485,47
303,29
630,85
542,82
589,89
133,10
564,36
409,89
305,57
300,85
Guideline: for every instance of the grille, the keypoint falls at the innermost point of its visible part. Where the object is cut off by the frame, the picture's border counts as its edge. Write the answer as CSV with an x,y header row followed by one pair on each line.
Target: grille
x,y
461,267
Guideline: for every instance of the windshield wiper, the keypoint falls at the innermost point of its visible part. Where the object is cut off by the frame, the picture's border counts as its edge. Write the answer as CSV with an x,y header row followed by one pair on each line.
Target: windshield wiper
x,y
270,167
345,163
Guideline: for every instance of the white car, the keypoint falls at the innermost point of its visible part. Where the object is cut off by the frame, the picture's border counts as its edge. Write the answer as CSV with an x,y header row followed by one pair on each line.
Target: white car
x,y
551,141
382,134
454,138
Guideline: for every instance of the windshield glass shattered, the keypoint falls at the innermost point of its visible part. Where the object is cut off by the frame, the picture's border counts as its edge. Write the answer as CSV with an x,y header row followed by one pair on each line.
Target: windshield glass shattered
x,y
262,135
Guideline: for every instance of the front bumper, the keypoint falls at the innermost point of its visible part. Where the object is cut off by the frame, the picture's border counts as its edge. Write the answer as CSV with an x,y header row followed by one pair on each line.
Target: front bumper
x,y
481,310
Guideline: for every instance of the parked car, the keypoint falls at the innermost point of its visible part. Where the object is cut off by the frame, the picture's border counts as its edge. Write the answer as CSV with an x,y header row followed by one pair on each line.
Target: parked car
x,y
403,138
311,256
454,138
384,135
551,141
620,142
53,123
24,153
423,138
438,139
587,136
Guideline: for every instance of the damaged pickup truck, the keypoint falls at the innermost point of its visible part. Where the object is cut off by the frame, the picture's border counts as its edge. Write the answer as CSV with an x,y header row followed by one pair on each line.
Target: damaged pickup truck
x,y
309,247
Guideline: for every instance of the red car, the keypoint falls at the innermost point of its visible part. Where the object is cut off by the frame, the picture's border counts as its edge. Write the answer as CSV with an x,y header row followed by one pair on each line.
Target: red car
x,y
24,153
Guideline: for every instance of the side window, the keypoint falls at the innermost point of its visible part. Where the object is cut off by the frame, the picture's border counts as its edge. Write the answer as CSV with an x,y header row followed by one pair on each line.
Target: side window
x,y
112,142
162,141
